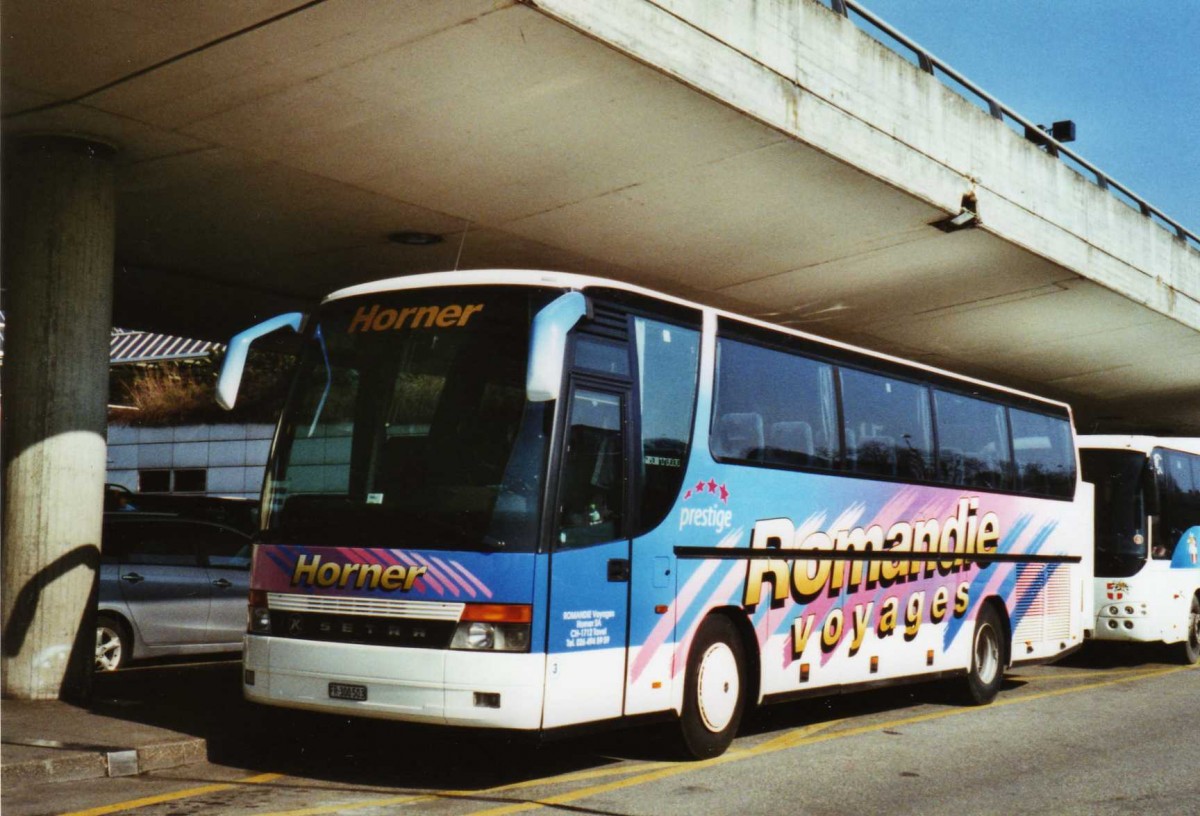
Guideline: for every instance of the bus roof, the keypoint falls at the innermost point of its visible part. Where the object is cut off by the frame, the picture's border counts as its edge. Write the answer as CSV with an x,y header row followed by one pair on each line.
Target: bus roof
x,y
1143,444
571,280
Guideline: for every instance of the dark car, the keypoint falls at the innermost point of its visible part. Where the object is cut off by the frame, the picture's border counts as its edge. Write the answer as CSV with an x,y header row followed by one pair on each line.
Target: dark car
x,y
241,514
169,585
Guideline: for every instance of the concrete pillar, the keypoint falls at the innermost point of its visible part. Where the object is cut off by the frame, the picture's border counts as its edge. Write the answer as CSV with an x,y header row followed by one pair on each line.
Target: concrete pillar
x,y
59,225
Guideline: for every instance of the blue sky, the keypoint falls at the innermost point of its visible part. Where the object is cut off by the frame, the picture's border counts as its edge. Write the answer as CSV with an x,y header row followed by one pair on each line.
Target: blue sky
x,y
1126,71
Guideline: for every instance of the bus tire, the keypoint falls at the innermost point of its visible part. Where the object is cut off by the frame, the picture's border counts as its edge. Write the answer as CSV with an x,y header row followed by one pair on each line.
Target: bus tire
x,y
988,651
1188,651
714,689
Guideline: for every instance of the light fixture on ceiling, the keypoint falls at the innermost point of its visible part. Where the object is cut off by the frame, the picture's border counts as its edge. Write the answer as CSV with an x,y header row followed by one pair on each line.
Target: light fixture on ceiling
x,y
412,238
963,220
967,217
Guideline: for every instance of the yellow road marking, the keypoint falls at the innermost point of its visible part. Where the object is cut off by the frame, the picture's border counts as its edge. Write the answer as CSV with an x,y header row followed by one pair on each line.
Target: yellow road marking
x,y
412,798
1071,674
654,768
147,801
788,740
641,772
808,737
393,800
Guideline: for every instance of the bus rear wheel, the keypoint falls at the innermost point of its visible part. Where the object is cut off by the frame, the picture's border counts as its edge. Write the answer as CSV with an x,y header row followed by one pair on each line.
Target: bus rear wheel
x,y
1188,651
714,694
986,674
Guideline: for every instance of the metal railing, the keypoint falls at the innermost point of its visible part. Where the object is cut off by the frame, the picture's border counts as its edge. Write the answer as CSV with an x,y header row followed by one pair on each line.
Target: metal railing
x,y
930,64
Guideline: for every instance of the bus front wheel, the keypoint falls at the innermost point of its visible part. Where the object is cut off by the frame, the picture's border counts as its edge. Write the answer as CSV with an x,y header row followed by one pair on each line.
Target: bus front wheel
x,y
713,689
986,674
1189,650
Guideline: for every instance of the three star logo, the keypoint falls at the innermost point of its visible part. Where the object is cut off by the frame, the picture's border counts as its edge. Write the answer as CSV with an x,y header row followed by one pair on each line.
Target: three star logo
x,y
711,487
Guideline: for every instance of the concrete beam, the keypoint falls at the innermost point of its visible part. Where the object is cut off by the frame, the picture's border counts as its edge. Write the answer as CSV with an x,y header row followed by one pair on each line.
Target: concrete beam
x,y
798,67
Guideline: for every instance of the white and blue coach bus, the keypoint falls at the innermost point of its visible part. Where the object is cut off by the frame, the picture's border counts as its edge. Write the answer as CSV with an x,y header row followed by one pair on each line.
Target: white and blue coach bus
x,y
1147,539
536,501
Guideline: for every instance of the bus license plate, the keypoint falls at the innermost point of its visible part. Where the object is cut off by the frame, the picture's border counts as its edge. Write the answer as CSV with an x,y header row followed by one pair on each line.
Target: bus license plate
x,y
344,691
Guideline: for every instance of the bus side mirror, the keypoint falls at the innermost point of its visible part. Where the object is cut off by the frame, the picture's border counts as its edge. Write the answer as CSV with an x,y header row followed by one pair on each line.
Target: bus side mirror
x,y
1151,492
239,347
548,345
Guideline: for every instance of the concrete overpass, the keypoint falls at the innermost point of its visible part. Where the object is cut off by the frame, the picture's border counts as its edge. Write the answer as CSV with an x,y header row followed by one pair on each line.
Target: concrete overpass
x,y
766,156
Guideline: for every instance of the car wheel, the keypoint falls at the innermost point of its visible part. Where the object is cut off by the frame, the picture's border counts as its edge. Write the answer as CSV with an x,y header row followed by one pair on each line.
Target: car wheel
x,y
1188,651
986,674
714,692
113,645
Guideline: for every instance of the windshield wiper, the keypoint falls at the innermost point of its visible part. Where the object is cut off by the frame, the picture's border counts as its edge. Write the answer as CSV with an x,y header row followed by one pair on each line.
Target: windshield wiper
x,y
328,384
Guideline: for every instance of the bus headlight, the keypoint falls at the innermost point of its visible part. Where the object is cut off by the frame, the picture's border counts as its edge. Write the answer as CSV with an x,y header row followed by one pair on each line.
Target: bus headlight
x,y
493,628
491,637
259,615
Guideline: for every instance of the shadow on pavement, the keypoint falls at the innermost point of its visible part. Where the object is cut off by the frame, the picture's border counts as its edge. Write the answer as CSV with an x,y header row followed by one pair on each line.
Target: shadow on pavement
x,y
1117,655
205,700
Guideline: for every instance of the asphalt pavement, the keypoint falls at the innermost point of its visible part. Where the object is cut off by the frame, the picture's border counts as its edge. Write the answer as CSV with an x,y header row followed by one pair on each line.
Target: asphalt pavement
x,y
1100,733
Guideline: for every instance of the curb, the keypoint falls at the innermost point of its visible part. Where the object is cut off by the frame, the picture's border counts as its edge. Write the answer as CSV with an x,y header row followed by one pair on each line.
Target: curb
x,y
130,762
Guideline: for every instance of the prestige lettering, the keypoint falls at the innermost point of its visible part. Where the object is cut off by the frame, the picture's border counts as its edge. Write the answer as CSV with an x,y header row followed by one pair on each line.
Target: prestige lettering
x,y
312,572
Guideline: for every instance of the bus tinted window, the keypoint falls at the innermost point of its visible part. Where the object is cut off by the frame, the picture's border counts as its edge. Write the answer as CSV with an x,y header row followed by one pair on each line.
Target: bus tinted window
x,y
382,443
972,442
605,356
1042,451
887,426
773,407
593,484
668,362
1179,473
1180,499
1120,512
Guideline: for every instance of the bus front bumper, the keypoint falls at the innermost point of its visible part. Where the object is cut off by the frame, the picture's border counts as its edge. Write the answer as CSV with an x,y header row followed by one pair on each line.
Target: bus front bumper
x,y
484,690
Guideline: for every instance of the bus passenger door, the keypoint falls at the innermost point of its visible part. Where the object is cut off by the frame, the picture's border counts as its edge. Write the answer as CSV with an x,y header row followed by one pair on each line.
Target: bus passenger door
x,y
589,567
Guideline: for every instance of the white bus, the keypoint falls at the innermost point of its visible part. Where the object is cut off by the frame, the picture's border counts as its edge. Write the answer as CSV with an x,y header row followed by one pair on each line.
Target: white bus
x,y
538,501
1147,536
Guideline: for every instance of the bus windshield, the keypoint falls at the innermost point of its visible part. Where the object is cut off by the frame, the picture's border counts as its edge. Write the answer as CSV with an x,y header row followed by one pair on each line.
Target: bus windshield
x,y
407,425
1120,510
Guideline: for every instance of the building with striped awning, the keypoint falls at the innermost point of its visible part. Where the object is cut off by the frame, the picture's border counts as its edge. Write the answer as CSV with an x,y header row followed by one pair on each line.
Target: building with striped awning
x,y
132,346
190,459
126,346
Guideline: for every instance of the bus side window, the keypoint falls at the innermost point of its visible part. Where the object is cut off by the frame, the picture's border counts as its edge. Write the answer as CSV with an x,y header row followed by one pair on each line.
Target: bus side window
x,y
668,361
972,442
1043,454
888,428
773,407
1181,501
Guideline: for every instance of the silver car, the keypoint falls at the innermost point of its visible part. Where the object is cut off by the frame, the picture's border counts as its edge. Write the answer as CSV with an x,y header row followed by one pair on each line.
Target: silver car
x,y
169,585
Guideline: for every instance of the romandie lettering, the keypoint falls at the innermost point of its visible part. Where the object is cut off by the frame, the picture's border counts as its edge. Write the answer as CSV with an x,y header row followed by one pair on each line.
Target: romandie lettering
x,y
412,317
805,579
313,572
966,532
